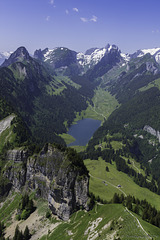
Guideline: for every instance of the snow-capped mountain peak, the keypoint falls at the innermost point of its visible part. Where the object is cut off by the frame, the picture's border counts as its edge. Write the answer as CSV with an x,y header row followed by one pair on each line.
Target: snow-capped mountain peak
x,y
152,51
94,55
91,59
49,54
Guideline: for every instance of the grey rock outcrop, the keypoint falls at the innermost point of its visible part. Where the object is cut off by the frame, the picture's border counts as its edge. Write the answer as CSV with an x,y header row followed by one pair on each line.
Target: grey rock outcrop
x,y
17,155
152,131
54,177
151,67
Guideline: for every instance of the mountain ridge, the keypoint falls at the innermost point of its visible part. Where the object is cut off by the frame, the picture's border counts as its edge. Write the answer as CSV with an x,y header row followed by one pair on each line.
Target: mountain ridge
x,y
47,93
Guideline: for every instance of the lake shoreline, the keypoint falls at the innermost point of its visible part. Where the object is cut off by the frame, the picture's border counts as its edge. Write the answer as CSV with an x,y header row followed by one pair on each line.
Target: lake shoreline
x,y
83,130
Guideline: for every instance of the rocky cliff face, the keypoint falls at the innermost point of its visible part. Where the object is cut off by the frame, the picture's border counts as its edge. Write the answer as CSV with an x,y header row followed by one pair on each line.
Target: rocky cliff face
x,y
53,176
15,169
152,131
17,155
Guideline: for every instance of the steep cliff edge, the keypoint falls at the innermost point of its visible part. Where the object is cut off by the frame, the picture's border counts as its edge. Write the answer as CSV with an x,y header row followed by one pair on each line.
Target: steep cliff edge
x,y
152,131
57,175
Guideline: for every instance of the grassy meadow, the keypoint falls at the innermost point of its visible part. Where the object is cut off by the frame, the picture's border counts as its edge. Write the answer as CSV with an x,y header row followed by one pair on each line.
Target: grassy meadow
x,y
113,178
110,221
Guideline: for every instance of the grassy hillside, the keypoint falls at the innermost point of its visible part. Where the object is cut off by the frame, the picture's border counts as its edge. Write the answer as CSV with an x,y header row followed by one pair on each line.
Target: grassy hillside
x,y
110,221
103,105
155,83
105,184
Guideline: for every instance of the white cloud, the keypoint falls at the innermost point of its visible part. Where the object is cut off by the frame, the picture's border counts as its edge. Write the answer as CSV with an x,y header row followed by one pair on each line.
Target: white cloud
x,y
51,2
84,19
94,19
75,10
47,18
157,31
67,12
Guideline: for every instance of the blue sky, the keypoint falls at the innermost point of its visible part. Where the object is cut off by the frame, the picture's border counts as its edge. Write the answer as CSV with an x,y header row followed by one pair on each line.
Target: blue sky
x,y
79,24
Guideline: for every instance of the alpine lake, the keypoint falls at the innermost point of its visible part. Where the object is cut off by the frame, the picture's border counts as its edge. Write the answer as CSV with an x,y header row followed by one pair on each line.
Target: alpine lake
x,y
83,130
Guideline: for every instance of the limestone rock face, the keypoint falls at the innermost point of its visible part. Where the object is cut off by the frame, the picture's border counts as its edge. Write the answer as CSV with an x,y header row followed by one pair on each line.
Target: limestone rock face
x,y
152,131
63,182
17,155
68,193
15,169
57,180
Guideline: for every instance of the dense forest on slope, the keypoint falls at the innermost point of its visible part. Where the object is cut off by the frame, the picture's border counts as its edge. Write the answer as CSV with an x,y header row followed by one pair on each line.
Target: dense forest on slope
x,y
24,85
141,110
45,103
136,87
126,125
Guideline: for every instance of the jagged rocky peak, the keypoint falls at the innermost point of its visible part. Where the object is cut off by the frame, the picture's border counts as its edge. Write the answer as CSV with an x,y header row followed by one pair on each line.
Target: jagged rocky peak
x,y
57,57
39,54
21,54
90,51
94,55
109,47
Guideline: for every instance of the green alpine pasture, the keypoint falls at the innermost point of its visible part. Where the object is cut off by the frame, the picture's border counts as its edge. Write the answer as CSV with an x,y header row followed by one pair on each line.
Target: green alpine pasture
x,y
110,221
104,184
155,83
103,105
9,206
67,138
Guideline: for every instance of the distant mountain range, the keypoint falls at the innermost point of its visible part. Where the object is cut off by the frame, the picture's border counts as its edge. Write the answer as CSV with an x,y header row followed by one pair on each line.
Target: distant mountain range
x,y
63,57
40,98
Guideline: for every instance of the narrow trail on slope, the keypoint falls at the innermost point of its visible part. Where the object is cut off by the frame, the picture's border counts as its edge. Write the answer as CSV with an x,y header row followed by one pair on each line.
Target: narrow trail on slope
x,y
100,114
135,167
139,224
94,109
110,184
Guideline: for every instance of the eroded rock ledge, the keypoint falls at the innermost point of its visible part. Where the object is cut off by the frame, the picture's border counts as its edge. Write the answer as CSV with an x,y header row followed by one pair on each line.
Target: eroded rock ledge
x,y
152,131
60,177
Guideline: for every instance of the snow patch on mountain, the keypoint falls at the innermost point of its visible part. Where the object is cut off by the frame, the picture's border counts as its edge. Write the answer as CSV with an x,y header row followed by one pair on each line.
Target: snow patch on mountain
x,y
4,55
51,53
48,54
125,57
92,59
153,51
95,56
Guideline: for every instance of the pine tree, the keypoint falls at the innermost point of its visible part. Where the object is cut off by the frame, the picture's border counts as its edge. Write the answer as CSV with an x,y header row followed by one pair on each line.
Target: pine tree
x,y
16,233
26,233
1,229
116,198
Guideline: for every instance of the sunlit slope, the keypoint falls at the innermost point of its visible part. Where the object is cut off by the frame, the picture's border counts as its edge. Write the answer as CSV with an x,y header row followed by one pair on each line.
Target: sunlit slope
x,y
104,184
111,221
